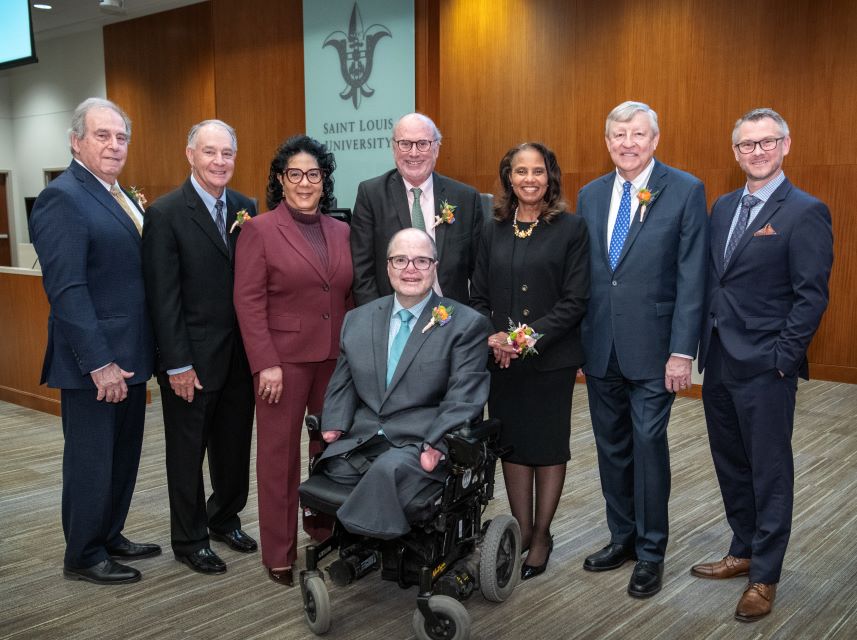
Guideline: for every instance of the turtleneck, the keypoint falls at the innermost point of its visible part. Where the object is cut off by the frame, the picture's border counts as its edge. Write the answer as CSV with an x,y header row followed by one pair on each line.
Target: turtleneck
x,y
310,226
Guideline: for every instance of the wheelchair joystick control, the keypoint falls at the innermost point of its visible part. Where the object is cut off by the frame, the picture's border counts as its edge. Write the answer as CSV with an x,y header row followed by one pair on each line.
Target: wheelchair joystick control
x,y
353,565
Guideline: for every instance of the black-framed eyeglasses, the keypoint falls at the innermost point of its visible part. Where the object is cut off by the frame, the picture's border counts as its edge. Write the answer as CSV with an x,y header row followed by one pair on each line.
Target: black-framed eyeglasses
x,y
295,176
407,145
749,146
421,263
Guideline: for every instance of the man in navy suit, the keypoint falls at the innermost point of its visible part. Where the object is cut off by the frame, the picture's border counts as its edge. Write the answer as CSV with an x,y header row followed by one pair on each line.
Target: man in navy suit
x,y
413,195
648,239
768,269
100,350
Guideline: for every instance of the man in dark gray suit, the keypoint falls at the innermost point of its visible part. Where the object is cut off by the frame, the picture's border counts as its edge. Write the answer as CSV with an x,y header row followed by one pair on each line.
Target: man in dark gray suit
x,y
411,368
412,195
648,242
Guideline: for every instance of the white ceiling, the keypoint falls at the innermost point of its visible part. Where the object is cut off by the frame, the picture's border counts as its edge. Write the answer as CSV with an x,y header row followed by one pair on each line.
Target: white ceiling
x,y
74,16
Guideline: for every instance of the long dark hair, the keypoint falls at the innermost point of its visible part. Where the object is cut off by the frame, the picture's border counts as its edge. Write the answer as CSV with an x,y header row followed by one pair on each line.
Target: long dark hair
x,y
291,147
506,201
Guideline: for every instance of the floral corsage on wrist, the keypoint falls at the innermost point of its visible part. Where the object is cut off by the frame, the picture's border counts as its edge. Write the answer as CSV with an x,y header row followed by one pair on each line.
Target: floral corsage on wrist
x,y
447,214
645,198
523,337
440,315
240,218
138,196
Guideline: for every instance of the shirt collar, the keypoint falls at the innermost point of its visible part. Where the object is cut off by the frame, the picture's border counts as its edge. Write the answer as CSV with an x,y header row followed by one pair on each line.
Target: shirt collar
x,y
417,309
207,199
425,186
767,191
640,181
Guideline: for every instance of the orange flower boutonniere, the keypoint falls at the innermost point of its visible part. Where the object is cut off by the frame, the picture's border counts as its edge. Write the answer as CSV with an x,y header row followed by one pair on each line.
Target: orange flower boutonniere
x,y
645,198
440,315
137,194
240,218
447,214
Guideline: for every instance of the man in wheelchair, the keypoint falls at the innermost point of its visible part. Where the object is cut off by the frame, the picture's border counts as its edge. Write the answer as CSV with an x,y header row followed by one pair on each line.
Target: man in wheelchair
x,y
412,369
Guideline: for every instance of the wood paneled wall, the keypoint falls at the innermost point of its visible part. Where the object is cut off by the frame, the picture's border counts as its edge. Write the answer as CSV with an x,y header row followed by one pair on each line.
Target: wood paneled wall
x,y
494,73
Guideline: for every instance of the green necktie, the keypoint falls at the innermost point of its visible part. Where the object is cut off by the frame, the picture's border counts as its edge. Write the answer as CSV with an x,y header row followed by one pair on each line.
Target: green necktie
x,y
417,211
398,343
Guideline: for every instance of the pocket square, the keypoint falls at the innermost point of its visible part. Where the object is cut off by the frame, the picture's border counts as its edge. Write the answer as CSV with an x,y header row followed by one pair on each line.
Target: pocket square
x,y
767,230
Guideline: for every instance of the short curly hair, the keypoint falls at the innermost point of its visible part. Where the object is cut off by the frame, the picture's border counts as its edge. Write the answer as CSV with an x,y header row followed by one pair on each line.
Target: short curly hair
x,y
291,147
506,201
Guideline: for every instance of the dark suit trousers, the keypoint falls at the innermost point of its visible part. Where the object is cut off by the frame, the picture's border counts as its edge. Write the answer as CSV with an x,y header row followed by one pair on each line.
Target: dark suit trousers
x,y
278,460
629,419
100,460
750,423
220,423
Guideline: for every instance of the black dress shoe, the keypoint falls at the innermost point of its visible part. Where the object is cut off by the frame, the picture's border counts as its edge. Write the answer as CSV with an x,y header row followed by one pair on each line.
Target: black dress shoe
x,y
646,579
203,561
236,539
134,551
610,557
282,576
530,571
105,572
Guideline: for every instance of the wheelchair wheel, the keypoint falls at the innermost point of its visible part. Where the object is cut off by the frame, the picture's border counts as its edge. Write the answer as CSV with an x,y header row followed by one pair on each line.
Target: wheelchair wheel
x,y
455,621
317,606
500,562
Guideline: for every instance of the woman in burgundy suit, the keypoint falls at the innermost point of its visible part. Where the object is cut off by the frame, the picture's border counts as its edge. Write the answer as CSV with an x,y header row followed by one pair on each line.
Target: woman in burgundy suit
x,y
292,288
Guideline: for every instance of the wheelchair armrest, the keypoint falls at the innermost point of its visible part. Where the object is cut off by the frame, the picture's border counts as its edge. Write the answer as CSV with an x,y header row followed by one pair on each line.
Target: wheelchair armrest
x,y
484,430
466,444
313,423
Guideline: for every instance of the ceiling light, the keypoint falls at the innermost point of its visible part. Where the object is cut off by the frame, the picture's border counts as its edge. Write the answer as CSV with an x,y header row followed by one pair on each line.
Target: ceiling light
x,y
42,5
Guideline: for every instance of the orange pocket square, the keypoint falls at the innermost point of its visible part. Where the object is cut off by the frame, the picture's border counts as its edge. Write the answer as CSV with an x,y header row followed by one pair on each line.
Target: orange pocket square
x,y
767,230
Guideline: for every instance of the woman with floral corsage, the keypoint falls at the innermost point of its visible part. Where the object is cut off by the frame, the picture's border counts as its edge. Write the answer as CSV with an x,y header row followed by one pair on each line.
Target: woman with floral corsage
x,y
293,276
532,280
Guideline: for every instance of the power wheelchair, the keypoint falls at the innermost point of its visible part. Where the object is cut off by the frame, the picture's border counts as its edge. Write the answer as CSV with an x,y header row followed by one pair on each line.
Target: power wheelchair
x,y
449,553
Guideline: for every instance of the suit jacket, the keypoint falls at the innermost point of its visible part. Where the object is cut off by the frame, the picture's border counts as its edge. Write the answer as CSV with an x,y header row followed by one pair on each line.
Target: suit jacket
x,y
290,308
189,273
440,383
92,273
651,306
769,300
551,290
381,209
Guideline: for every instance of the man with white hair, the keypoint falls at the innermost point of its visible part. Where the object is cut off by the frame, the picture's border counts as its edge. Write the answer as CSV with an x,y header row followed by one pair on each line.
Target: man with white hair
x,y
206,386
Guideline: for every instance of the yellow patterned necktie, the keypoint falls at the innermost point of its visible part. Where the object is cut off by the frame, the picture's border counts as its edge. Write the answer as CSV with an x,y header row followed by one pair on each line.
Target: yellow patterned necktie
x,y
120,198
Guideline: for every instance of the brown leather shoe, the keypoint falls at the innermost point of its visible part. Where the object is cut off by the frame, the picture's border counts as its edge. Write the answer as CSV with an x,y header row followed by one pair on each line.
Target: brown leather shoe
x,y
282,576
756,603
728,567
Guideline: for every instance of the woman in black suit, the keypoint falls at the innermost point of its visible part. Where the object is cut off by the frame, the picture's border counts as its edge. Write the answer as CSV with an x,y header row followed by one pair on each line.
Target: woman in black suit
x,y
533,268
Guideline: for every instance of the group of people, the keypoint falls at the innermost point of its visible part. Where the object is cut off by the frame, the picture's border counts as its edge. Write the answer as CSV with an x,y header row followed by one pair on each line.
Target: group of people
x,y
403,326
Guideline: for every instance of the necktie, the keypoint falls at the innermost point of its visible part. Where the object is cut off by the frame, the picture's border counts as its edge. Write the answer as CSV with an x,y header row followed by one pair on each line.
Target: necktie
x,y
398,344
417,211
747,203
620,228
220,219
120,198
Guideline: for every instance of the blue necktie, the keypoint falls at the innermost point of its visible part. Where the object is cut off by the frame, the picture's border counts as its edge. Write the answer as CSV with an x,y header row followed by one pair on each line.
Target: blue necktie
x,y
747,203
620,229
398,343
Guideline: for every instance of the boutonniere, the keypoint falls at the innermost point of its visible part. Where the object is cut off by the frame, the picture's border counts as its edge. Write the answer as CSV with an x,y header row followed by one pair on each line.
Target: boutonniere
x,y
440,315
646,198
523,337
447,214
138,196
240,218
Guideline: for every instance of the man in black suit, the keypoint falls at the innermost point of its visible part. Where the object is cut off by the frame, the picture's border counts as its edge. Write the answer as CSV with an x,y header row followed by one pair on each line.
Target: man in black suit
x,y
768,269
86,231
206,386
647,236
412,195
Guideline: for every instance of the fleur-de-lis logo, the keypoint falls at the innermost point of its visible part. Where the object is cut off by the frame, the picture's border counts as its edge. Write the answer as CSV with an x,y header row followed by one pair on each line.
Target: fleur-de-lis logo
x,y
356,50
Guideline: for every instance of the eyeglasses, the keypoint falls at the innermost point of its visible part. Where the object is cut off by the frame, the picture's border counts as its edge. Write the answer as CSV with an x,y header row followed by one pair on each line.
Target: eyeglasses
x,y
407,145
749,146
420,263
295,176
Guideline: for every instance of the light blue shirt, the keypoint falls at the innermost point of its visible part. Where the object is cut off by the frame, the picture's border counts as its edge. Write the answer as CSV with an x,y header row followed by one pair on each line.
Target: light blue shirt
x,y
763,195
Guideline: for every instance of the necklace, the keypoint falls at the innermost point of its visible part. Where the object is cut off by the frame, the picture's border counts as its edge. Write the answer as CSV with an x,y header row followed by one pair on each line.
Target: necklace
x,y
526,233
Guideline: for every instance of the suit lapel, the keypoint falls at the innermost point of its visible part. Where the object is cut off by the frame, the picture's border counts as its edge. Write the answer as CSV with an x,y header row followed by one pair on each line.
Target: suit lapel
x,y
91,184
602,205
231,210
399,200
380,338
289,228
768,210
657,184
720,228
334,255
202,218
414,343
440,230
